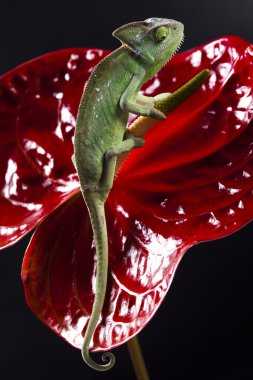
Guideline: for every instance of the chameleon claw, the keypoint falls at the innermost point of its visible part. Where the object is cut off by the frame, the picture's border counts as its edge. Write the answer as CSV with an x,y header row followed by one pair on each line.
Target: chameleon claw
x,y
156,114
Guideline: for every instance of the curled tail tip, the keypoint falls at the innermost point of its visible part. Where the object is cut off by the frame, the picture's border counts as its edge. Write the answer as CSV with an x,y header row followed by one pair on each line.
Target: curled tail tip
x,y
107,357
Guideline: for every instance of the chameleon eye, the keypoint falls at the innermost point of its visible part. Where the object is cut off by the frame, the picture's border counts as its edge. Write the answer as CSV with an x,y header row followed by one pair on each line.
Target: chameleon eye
x,y
161,33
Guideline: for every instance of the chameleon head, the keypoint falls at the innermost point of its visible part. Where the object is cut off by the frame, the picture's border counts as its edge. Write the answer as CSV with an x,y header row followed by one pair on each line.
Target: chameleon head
x,y
154,40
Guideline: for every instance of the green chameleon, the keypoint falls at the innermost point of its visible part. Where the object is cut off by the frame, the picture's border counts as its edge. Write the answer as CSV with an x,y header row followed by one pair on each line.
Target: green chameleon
x,y
111,93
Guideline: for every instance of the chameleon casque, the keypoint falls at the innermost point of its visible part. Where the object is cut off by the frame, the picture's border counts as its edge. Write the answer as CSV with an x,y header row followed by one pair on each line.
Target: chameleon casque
x,y
111,93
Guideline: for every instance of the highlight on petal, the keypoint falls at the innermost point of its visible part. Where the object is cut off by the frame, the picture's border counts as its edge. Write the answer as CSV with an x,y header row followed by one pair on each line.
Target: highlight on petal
x,y
38,106
192,181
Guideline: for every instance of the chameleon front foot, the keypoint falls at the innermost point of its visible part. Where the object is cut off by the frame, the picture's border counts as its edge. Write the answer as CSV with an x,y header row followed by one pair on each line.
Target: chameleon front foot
x,y
106,357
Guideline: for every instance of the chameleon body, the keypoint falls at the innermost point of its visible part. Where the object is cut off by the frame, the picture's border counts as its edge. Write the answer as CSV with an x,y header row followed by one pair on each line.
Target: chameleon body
x,y
111,93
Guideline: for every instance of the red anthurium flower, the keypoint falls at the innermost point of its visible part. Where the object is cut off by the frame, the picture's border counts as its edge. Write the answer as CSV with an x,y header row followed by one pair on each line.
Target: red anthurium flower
x,y
192,181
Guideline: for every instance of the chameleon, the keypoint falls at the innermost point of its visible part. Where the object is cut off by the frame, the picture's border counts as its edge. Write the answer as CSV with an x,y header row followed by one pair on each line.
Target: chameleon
x,y
110,94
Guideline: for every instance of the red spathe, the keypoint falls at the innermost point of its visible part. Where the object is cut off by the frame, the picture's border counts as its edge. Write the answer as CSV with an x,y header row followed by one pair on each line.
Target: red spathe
x,y
192,181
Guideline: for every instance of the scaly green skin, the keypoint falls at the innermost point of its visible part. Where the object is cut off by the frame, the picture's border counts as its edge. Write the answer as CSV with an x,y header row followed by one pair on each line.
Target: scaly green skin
x,y
110,94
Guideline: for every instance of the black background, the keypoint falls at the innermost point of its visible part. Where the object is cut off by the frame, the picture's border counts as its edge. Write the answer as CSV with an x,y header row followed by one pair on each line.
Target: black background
x,y
203,330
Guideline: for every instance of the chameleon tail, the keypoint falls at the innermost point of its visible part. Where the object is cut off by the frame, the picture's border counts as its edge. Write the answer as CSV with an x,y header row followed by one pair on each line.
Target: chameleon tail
x,y
97,216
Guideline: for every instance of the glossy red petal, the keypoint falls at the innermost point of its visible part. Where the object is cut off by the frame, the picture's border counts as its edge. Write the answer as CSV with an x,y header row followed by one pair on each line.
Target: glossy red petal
x,y
38,106
59,277
192,181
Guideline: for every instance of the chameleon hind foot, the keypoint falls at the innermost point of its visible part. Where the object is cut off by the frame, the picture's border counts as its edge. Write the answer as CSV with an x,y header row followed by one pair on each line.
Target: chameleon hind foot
x,y
130,142
126,145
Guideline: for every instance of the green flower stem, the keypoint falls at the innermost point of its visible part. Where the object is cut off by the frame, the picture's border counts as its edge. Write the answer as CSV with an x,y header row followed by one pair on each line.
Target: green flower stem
x,y
166,104
137,359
